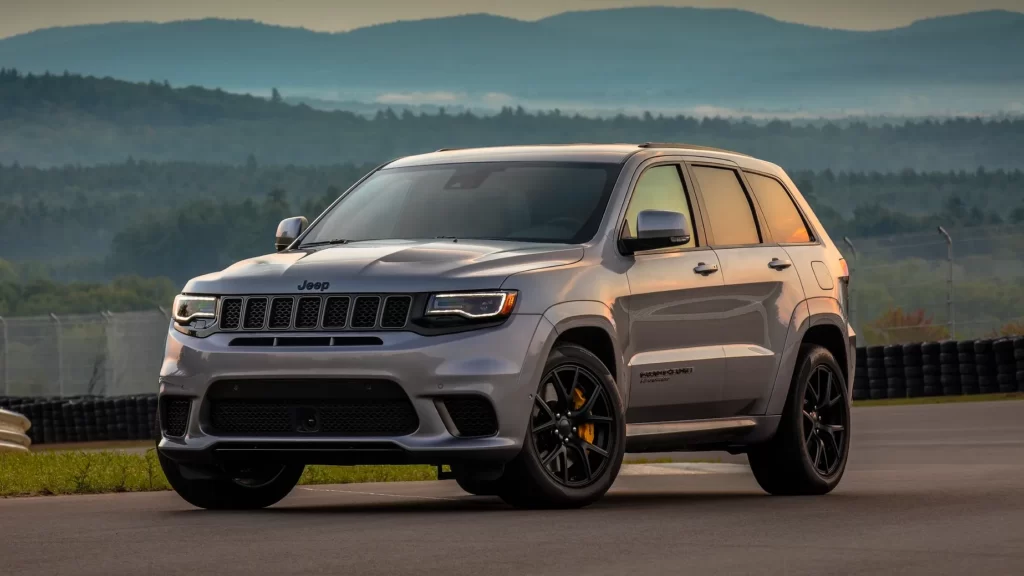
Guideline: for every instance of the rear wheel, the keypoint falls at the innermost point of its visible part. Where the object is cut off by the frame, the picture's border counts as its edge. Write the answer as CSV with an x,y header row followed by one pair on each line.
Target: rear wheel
x,y
243,489
809,451
574,446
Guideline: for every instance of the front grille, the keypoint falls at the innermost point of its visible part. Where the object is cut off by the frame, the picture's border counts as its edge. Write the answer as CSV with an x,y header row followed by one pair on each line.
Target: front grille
x,y
396,311
354,417
336,312
230,313
327,313
308,315
364,314
255,313
175,416
473,416
281,313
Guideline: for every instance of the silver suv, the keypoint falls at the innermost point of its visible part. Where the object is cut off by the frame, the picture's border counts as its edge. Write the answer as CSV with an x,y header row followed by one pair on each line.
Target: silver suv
x,y
524,315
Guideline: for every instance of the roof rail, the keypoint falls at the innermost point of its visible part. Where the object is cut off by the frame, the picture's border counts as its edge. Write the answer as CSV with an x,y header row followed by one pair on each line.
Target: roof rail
x,y
688,147
448,149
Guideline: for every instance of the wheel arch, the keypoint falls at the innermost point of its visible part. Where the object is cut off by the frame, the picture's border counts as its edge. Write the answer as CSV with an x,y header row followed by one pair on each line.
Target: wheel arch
x,y
591,325
816,321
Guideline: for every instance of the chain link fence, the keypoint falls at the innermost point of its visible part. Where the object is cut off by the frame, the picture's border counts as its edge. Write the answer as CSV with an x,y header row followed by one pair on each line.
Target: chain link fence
x,y
925,287
103,354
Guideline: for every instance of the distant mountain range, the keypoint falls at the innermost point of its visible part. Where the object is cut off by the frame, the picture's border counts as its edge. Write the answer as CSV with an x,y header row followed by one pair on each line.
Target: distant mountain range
x,y
646,57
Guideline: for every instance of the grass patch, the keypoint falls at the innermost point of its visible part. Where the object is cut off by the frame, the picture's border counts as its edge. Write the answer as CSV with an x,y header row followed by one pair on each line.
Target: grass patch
x,y
53,473
940,399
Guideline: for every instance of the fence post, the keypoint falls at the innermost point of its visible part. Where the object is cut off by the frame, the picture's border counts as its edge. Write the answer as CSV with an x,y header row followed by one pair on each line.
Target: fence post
x,y
7,359
949,297
60,353
853,301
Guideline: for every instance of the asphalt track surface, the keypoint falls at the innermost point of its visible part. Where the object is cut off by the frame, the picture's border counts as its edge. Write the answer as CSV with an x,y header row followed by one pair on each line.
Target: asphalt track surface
x,y
929,490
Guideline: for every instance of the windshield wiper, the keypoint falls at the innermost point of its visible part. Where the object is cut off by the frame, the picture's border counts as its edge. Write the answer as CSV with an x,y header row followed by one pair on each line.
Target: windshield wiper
x,y
325,243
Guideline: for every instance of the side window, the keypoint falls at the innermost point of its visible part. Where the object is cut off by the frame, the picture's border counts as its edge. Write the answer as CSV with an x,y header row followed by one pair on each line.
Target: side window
x,y
728,208
783,218
659,188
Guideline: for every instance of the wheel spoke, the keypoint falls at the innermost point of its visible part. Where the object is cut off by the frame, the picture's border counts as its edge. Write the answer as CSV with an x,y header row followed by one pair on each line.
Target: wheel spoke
x,y
824,454
560,390
817,453
544,406
597,418
585,461
572,389
589,404
833,429
545,426
551,456
565,464
599,451
828,390
835,446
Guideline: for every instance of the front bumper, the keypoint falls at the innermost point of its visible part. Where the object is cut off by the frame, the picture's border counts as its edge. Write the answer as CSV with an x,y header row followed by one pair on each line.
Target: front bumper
x,y
502,364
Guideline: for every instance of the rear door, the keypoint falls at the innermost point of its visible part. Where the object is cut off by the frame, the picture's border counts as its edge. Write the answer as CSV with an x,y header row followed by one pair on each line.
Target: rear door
x,y
761,286
676,363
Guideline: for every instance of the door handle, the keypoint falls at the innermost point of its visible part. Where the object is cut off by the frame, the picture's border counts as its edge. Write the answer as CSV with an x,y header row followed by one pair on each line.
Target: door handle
x,y
705,270
777,264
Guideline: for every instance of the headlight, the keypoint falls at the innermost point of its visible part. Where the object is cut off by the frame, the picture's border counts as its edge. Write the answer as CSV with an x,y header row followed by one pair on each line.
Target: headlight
x,y
188,308
473,305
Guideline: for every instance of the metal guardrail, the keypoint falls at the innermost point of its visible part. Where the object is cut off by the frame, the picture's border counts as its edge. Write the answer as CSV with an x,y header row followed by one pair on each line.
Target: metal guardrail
x,y
12,432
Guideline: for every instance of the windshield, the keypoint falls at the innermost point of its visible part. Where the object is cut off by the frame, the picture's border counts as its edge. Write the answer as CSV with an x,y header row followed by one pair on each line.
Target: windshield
x,y
533,202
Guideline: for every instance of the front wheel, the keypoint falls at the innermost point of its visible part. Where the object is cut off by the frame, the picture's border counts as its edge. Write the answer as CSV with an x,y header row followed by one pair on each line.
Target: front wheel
x,y
576,438
245,489
808,453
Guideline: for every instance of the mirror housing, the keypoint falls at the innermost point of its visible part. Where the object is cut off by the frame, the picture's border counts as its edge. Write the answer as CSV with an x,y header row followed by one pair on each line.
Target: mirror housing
x,y
288,230
657,229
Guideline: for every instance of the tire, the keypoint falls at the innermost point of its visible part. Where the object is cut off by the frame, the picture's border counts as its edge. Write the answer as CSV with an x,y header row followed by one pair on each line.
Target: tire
x,y
878,393
222,492
913,349
982,346
912,372
1018,354
896,382
983,359
970,369
529,483
947,358
930,369
876,374
478,487
893,351
875,363
930,348
784,465
876,351
1007,382
970,390
896,393
949,369
893,361
948,346
861,394
965,346
1006,369
965,358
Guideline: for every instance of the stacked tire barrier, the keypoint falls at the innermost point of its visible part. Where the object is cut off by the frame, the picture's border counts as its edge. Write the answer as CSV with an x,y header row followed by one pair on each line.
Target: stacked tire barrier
x,y
87,419
948,368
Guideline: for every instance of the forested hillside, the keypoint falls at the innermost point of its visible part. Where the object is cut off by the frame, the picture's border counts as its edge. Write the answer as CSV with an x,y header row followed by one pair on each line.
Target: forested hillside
x,y
183,219
66,119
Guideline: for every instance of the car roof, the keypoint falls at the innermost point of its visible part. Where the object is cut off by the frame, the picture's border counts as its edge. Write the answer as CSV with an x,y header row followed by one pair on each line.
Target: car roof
x,y
614,153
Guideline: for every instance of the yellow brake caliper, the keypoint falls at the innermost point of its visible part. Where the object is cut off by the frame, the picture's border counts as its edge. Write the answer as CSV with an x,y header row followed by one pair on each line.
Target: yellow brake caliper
x,y
585,431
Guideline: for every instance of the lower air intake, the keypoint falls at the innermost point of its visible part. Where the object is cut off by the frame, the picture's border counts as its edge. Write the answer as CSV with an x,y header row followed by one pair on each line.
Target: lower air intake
x,y
371,417
174,416
473,416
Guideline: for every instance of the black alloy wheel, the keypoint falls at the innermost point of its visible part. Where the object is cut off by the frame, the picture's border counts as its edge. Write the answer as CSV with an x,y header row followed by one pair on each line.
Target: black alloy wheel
x,y
824,421
573,425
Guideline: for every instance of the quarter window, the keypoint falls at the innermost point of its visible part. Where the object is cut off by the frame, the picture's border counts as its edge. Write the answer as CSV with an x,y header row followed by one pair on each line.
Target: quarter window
x,y
783,218
659,188
728,208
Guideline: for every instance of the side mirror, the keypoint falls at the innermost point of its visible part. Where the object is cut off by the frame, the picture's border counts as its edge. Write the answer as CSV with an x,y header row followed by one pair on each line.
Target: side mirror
x,y
658,229
288,230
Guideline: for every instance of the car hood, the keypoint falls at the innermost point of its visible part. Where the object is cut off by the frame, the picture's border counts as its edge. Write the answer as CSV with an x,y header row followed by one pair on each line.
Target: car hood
x,y
387,266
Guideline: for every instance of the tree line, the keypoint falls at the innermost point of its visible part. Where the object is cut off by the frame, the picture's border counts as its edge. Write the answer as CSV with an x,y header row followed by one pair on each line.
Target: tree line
x,y
53,120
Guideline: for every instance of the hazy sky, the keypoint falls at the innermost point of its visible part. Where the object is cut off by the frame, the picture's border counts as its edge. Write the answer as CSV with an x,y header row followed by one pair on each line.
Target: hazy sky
x,y
17,16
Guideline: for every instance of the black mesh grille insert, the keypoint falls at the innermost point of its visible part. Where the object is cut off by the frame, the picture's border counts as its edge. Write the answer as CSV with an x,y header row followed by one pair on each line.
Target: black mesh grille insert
x,y
308,313
280,313
231,313
396,310
175,416
364,313
370,417
255,313
472,416
336,312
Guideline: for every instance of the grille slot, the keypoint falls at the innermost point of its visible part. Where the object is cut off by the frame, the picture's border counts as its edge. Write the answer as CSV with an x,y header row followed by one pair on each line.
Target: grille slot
x,y
396,311
230,313
364,313
281,313
175,416
473,416
336,312
308,314
355,417
255,313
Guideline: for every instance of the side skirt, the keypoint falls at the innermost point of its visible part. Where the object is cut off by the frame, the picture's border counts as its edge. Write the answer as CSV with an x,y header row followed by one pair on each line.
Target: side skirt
x,y
731,434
